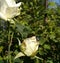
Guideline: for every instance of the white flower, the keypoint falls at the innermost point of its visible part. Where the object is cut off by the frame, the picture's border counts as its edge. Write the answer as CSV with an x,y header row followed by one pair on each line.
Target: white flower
x,y
28,47
9,9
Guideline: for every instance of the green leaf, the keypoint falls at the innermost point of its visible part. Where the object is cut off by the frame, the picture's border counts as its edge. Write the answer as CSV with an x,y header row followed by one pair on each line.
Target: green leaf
x,y
20,54
46,46
42,41
41,52
52,4
1,61
49,61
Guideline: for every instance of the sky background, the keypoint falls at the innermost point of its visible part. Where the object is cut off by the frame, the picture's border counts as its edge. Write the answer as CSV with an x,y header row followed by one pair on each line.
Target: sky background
x,y
57,1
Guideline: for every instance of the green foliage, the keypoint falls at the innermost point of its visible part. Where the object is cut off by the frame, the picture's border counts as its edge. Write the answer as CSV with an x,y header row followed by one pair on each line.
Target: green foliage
x,y
31,22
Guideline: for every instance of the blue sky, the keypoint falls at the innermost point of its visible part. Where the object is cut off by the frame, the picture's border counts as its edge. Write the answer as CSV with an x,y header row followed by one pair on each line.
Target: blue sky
x,y
57,1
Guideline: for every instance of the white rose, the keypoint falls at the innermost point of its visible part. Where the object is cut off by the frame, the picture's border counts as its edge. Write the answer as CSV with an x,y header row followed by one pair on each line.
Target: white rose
x,y
9,9
28,47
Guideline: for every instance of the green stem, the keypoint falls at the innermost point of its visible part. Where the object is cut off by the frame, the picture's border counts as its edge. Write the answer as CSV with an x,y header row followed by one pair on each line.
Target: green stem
x,y
10,36
38,58
9,45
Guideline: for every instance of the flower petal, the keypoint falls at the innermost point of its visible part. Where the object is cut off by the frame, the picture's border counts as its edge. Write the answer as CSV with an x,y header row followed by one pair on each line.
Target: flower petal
x,y
20,54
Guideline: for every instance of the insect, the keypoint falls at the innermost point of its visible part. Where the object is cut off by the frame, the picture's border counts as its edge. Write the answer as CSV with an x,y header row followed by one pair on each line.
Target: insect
x,y
9,9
